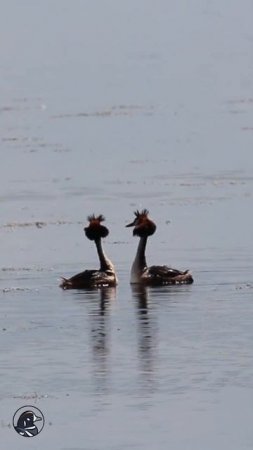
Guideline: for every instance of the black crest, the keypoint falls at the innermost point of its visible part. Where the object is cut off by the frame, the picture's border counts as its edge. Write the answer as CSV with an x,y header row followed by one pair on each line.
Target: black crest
x,y
95,230
138,213
99,218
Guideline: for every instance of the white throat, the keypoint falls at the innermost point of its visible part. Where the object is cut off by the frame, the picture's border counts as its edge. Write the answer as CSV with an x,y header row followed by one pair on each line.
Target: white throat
x,y
105,262
139,264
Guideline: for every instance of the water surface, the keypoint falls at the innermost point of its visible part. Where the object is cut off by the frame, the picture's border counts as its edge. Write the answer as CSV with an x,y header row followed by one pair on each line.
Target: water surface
x,y
107,108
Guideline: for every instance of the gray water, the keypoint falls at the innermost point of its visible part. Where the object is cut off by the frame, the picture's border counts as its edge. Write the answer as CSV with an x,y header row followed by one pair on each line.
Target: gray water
x,y
108,107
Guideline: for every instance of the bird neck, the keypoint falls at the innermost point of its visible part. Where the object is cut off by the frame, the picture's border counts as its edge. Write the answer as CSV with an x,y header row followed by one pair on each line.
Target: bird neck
x,y
105,263
140,260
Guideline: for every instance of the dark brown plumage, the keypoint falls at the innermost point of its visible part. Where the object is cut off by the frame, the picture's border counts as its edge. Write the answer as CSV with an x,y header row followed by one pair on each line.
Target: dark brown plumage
x,y
95,230
154,275
105,276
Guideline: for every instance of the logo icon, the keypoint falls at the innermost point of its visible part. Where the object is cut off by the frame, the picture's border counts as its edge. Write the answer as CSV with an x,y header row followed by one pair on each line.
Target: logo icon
x,y
28,421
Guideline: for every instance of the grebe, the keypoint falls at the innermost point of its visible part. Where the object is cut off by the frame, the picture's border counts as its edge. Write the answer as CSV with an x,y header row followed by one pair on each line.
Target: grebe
x,y
154,275
105,276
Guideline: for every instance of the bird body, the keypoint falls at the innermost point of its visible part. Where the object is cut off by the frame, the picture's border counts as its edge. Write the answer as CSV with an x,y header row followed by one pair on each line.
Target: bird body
x,y
105,275
153,275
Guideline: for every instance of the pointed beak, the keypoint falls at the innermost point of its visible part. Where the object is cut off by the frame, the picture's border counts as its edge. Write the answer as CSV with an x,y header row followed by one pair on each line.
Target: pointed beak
x,y
132,224
36,418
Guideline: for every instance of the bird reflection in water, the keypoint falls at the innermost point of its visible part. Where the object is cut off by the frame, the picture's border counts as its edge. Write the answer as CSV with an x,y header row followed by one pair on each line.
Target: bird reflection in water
x,y
100,332
147,336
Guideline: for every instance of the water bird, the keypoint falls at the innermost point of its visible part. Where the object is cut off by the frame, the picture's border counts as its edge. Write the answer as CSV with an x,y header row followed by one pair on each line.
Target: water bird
x,y
153,275
105,275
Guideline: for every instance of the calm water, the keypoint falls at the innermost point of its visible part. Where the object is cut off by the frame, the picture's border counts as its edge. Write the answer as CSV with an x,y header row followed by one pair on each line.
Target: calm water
x,y
107,107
